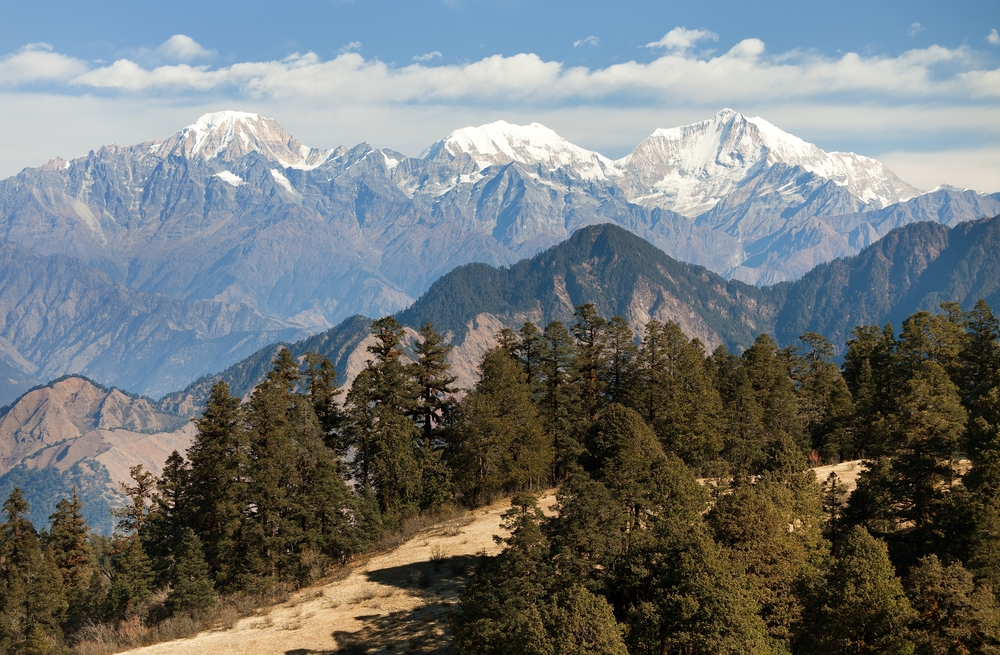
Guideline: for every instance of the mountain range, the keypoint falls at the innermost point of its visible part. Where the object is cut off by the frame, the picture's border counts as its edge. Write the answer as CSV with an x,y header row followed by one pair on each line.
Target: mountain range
x,y
74,432
272,240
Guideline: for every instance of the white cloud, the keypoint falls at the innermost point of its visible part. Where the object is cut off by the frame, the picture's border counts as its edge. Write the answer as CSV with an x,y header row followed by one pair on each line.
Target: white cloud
x,y
926,95
746,72
183,49
590,40
915,29
977,169
37,63
353,46
993,37
430,56
681,38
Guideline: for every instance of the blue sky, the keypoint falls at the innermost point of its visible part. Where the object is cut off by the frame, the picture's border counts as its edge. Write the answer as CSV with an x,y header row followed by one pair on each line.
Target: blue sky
x,y
916,84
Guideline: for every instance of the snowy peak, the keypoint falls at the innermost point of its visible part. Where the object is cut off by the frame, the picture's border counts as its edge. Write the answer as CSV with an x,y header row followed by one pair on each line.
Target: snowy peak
x,y
230,135
690,168
476,148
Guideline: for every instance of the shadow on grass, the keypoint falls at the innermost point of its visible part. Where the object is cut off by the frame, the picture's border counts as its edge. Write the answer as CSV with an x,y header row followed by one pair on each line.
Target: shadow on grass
x,y
424,629
441,578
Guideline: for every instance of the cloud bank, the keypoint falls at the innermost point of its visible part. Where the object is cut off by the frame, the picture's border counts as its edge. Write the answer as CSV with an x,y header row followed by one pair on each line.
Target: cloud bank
x,y
924,95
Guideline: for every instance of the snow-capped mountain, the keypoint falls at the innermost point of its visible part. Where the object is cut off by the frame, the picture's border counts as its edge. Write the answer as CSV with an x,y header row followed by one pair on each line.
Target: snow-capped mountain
x,y
229,135
690,169
472,149
233,209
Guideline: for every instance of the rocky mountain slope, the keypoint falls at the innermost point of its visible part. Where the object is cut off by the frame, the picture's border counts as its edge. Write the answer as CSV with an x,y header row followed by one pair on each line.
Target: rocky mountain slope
x,y
916,267
59,316
234,209
74,433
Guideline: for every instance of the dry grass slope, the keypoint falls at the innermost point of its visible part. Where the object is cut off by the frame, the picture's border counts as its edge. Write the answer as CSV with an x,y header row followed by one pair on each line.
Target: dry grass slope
x,y
399,601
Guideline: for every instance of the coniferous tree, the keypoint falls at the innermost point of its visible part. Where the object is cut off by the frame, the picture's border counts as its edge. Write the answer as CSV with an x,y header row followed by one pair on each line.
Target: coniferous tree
x,y
677,395
558,400
743,417
385,441
191,588
861,608
32,597
529,349
589,359
218,483
622,354
435,399
69,542
321,384
497,442
954,615
824,401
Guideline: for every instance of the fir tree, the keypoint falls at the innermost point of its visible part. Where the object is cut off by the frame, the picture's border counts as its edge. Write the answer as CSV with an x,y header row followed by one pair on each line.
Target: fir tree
x,y
497,443
861,608
69,543
218,483
558,399
191,588
32,597
954,615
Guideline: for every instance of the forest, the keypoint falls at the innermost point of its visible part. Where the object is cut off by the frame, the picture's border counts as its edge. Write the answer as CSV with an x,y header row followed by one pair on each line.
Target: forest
x,y
689,520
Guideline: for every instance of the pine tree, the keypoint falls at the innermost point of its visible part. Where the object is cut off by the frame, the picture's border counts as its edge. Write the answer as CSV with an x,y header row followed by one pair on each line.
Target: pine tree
x,y
589,359
954,615
191,588
168,515
218,481
582,623
321,384
131,580
529,348
558,400
622,354
861,608
377,427
743,417
497,444
32,597
69,543
690,598
824,401
774,390
433,407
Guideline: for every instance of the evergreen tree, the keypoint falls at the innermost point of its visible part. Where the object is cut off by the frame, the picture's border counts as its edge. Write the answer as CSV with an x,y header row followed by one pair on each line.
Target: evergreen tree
x,y
676,395
32,597
582,623
497,443
861,608
218,483
191,588
321,384
558,401
131,580
954,615
433,407
69,543
622,354
168,514
774,390
385,442
743,417
691,598
824,401
589,359
529,348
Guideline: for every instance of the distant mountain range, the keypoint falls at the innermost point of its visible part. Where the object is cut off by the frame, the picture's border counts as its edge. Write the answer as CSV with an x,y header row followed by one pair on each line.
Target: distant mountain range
x,y
75,432
146,266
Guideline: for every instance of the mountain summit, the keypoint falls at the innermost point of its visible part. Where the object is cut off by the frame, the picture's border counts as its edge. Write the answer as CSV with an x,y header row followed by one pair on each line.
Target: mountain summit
x,y
690,169
230,135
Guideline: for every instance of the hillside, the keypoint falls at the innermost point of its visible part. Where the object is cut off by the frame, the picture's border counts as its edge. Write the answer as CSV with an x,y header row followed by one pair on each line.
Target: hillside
x,y
915,267
59,316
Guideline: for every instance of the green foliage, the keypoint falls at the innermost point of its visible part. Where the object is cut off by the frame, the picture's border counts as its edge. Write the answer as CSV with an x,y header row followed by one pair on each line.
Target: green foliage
x,y
43,488
497,444
861,607
191,588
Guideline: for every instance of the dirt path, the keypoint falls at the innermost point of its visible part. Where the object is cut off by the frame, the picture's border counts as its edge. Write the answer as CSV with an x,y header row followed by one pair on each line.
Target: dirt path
x,y
395,602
